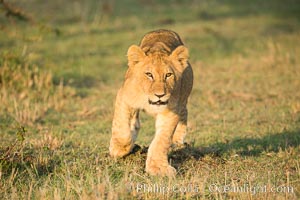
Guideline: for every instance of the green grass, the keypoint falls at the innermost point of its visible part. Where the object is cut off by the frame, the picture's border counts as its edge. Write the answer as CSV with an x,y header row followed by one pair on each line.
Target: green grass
x,y
59,78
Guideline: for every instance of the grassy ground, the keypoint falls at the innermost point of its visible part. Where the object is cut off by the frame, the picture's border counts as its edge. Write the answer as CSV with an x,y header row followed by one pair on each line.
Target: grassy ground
x,y
59,76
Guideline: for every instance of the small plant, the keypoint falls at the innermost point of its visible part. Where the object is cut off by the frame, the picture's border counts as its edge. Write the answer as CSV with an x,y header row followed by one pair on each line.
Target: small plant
x,y
13,153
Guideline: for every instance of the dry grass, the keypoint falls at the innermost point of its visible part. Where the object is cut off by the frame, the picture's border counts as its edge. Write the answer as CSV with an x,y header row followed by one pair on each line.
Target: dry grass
x,y
27,92
57,92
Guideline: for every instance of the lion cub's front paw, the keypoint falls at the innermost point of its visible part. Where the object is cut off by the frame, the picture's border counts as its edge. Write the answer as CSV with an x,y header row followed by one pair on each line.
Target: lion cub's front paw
x,y
179,146
161,170
118,152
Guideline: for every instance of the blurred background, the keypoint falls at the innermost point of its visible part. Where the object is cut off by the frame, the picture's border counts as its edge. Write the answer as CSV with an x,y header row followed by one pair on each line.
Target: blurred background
x,y
222,27
96,34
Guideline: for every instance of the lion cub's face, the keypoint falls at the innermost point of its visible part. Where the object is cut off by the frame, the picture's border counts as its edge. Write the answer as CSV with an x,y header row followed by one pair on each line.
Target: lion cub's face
x,y
157,74
159,80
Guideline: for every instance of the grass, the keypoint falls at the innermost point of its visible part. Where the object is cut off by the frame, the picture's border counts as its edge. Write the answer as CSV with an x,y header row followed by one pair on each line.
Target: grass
x,y
59,78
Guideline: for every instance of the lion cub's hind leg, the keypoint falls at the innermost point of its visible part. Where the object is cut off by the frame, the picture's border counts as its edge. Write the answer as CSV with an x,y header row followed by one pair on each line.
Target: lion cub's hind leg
x,y
135,124
180,131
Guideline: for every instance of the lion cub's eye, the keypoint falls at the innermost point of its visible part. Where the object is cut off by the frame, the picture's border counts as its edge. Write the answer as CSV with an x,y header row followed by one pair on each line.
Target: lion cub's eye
x,y
168,75
149,75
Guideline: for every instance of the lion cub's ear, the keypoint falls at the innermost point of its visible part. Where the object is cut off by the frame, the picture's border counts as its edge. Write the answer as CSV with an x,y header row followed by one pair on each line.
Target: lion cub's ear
x,y
135,54
181,54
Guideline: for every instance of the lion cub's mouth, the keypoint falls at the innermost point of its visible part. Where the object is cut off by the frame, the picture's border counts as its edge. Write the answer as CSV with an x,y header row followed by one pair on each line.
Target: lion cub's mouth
x,y
158,103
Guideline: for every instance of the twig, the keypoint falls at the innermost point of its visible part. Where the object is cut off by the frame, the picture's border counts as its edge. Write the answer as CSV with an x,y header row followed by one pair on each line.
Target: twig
x,y
16,12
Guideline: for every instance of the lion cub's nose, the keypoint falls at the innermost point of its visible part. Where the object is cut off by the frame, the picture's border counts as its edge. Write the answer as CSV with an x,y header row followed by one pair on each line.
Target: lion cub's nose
x,y
160,95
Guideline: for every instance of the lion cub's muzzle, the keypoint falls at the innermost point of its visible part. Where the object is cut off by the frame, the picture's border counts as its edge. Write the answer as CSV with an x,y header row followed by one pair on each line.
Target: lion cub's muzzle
x,y
158,103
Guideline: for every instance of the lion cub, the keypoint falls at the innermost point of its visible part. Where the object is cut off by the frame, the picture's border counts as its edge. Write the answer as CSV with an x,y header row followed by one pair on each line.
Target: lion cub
x,y
159,80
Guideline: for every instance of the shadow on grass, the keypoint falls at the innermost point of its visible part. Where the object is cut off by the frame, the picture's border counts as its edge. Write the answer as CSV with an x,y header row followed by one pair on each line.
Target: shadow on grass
x,y
240,146
256,146
28,161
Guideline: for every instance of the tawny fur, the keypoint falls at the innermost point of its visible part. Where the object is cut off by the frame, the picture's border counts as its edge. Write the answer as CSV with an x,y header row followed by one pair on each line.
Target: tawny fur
x,y
159,80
